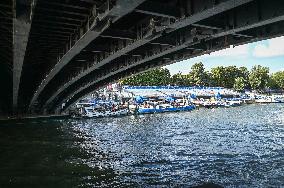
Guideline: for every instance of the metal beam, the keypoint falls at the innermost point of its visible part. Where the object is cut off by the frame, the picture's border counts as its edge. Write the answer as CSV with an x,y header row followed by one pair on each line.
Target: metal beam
x,y
153,8
251,26
154,14
56,22
57,17
84,15
171,50
180,47
64,5
121,8
88,1
116,37
22,24
191,20
206,26
222,7
119,34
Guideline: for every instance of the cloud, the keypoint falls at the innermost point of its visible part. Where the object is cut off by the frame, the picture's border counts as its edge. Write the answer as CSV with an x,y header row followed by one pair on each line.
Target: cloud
x,y
238,51
274,48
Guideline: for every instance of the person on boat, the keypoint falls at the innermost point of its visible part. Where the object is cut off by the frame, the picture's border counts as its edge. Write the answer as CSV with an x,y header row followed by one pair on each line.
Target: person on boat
x,y
113,108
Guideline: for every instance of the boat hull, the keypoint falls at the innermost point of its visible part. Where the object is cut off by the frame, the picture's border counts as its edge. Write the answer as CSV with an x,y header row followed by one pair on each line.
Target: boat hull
x,y
163,110
97,114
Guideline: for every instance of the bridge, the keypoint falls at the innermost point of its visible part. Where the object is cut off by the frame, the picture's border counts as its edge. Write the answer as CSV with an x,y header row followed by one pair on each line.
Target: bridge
x,y
54,52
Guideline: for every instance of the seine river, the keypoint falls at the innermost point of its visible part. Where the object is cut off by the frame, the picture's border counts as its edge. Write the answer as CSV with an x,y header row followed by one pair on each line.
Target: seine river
x,y
234,147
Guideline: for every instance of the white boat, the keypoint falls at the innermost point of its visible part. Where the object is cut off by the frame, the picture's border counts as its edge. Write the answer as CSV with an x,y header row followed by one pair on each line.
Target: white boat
x,y
234,102
278,99
269,99
99,108
90,112
161,108
248,100
263,100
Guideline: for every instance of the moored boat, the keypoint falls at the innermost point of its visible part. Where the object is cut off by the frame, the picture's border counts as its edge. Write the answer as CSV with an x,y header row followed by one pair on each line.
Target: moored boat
x,y
99,108
95,113
162,108
269,99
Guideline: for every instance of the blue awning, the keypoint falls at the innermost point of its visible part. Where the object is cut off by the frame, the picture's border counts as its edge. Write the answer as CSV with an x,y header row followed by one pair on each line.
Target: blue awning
x,y
139,99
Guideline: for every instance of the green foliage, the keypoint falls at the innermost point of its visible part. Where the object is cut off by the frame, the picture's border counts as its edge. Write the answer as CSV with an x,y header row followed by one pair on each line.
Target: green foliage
x,y
226,76
154,77
218,75
230,77
180,80
240,84
197,74
276,80
259,77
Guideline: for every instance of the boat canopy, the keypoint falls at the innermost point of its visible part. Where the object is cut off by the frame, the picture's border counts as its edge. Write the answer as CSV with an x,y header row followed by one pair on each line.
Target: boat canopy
x,y
170,99
139,99
193,96
218,95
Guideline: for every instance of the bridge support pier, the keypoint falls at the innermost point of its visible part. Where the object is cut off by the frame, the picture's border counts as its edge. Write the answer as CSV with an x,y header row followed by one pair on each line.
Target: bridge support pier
x,y
21,29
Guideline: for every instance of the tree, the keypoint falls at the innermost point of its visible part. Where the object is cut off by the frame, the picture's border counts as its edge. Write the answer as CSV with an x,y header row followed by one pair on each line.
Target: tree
x,y
276,80
259,77
208,81
155,77
229,77
197,74
231,73
244,73
180,80
240,84
218,76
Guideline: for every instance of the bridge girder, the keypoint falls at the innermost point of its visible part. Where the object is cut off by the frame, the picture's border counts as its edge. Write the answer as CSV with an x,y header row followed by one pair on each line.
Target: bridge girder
x,y
194,18
56,51
100,23
266,28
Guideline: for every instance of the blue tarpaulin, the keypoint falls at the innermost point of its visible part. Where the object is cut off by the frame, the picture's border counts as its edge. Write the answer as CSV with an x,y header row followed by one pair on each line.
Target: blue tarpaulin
x,y
139,99
193,96
218,95
170,99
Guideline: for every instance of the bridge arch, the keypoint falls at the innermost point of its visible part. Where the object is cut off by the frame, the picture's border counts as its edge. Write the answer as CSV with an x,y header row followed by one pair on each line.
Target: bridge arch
x,y
152,37
188,48
53,49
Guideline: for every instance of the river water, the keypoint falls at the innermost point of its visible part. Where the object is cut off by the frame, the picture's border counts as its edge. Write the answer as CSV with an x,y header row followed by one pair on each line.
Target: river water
x,y
233,147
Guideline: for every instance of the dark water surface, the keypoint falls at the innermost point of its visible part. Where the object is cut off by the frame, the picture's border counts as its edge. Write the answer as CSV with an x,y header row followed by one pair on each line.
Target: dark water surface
x,y
235,147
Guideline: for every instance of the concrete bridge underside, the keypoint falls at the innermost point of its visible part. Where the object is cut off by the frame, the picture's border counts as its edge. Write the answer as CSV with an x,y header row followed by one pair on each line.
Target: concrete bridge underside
x,y
57,51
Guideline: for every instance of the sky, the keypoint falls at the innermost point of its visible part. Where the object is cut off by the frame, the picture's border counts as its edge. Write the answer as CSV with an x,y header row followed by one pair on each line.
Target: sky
x,y
268,53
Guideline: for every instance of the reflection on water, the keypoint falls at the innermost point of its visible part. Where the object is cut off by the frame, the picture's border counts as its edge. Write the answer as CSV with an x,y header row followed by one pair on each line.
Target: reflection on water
x,y
240,147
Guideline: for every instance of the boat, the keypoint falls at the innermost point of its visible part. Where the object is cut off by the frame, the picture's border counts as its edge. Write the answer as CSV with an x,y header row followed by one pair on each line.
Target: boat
x,y
269,99
234,102
279,98
90,112
99,108
160,104
208,104
263,100
162,108
248,100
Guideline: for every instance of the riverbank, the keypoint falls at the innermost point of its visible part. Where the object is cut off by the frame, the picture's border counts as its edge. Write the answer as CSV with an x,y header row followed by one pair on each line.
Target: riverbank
x,y
160,99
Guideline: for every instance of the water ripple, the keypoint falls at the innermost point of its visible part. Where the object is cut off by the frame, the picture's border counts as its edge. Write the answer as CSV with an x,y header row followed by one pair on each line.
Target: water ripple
x,y
235,147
